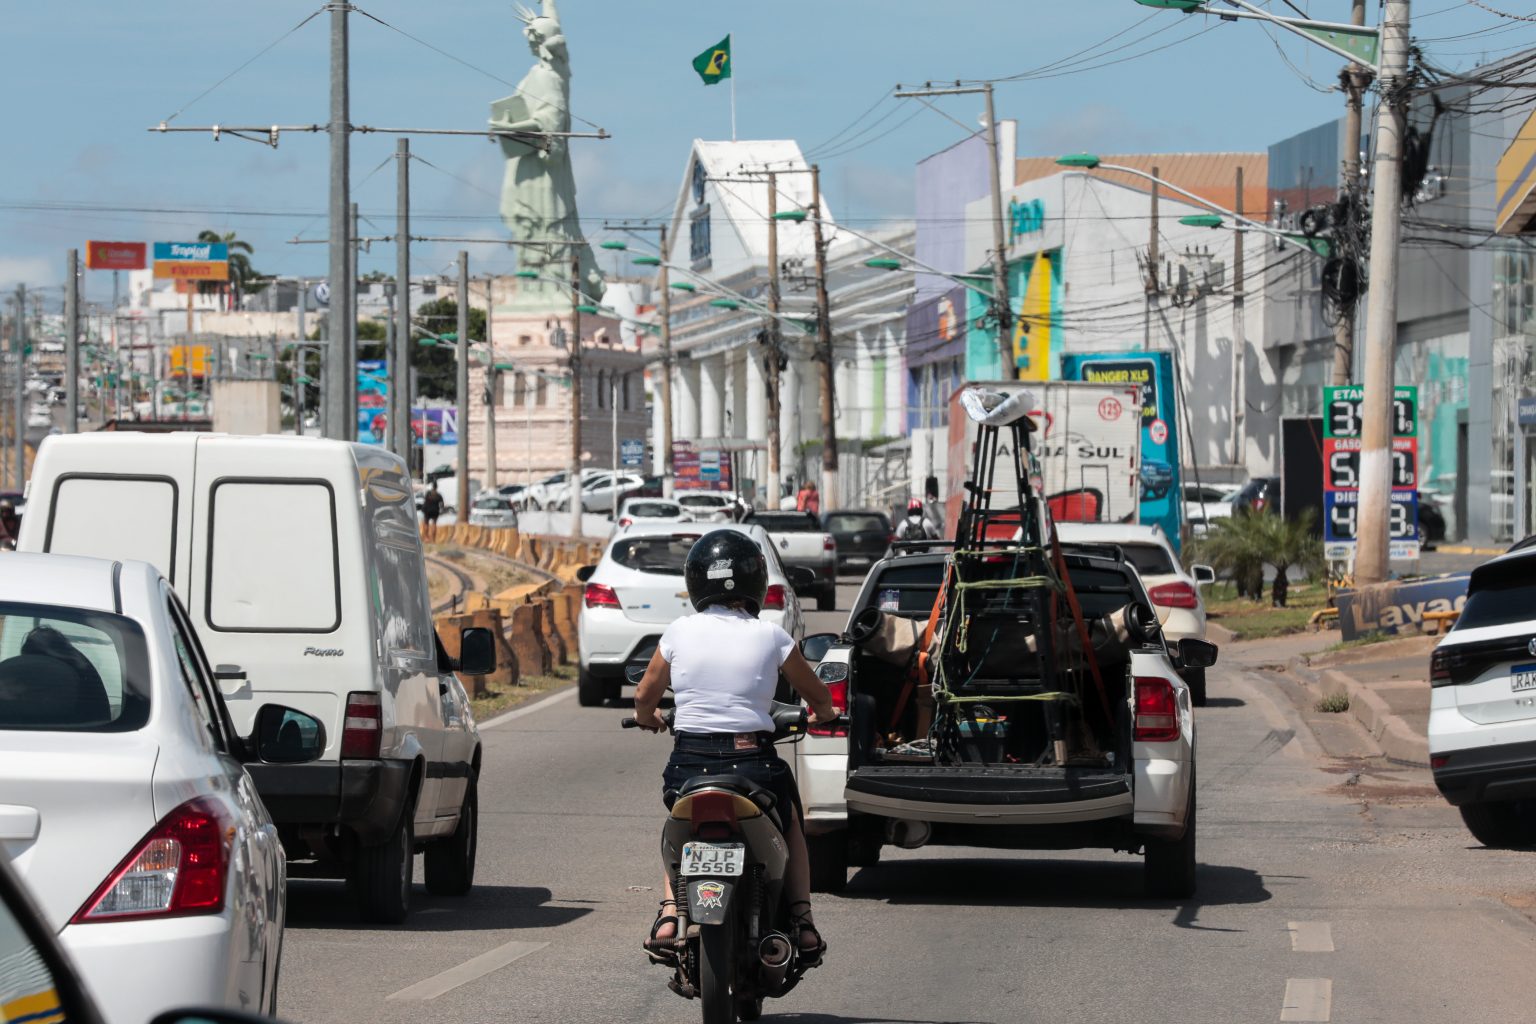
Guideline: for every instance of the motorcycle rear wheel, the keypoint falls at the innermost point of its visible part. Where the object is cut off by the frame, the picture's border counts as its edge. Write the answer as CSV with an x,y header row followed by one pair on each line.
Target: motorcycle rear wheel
x,y
717,972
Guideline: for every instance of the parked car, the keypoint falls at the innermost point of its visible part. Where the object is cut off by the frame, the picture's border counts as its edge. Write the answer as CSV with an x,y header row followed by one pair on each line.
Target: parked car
x,y
492,510
512,491
711,506
604,492
300,561
1204,503
1174,593
547,491
1139,794
650,510
862,536
39,416
1482,715
1258,494
636,589
128,809
801,541
1431,519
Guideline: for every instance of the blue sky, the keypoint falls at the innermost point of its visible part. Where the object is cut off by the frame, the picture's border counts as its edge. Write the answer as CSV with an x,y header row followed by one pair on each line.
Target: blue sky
x,y
85,79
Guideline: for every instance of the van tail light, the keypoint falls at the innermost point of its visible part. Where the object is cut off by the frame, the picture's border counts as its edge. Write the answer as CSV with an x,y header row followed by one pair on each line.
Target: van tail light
x,y
839,692
180,868
1175,595
600,595
1157,711
363,728
775,598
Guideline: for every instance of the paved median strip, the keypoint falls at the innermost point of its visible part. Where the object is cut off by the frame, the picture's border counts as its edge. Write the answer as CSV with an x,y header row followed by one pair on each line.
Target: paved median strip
x,y
470,970
1311,937
1307,999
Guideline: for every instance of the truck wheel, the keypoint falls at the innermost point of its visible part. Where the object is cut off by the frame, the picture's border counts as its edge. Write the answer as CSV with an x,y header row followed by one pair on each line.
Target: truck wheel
x,y
1502,823
826,598
1169,867
829,861
1195,678
450,863
591,692
381,875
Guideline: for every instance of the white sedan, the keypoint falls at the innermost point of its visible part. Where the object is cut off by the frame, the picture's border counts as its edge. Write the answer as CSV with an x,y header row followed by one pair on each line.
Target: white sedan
x,y
650,510
124,803
636,589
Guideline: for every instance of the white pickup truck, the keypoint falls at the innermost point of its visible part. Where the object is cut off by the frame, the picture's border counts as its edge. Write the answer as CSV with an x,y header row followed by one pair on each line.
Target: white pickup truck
x,y
801,541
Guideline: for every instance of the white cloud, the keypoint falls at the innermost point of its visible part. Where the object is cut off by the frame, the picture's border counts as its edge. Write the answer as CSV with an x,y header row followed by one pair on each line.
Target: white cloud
x,y
29,270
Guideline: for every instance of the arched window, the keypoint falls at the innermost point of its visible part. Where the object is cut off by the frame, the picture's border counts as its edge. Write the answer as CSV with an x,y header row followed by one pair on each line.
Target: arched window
x,y
517,389
541,392
602,390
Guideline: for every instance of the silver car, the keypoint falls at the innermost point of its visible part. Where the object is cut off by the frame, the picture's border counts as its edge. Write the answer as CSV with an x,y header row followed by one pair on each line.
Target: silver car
x,y
492,510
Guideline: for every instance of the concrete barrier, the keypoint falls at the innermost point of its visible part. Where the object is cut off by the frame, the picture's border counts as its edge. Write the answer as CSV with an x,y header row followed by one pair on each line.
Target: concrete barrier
x,y
507,673
559,653
527,640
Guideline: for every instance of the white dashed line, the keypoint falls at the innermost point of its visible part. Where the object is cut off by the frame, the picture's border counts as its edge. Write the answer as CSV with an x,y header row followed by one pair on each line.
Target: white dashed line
x,y
1311,937
471,970
1307,999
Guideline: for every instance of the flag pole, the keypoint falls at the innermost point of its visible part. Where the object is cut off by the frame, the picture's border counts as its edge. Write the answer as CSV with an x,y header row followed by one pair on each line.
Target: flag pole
x,y
732,60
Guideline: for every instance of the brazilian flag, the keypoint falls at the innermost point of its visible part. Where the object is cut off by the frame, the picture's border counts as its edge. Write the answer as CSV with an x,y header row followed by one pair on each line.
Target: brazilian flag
x,y
714,64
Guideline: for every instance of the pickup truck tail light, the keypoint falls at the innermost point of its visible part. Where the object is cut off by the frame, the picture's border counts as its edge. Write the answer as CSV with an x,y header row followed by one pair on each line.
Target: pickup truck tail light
x,y
180,868
363,728
828,544
600,595
1175,595
839,692
1157,711
775,598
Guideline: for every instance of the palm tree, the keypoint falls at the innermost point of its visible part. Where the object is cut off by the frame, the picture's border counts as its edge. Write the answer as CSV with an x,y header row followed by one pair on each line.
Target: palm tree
x,y
1243,544
244,279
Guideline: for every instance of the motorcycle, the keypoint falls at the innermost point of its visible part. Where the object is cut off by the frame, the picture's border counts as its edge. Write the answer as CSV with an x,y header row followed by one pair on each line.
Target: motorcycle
x,y
724,846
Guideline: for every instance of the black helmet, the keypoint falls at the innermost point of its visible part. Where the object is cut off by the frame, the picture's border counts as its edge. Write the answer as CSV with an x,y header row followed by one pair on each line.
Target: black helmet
x,y
726,565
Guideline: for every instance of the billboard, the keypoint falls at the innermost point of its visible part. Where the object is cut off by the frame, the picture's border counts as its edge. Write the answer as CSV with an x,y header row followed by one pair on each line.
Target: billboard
x,y
700,469
115,255
183,356
1343,428
1161,501
372,400
192,261
434,426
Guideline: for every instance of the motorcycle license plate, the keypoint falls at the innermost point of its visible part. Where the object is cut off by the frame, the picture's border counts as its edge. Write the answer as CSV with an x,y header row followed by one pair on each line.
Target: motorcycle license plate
x,y
714,858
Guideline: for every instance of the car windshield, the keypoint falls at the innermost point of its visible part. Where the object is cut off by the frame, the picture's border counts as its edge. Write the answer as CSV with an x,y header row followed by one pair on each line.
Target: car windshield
x,y
855,522
664,554
787,522
494,504
71,670
1500,596
652,509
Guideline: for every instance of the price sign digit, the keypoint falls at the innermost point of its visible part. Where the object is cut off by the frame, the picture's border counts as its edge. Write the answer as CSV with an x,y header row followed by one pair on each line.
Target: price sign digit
x,y
1403,475
1344,418
1398,527
1344,470
1402,417
1342,519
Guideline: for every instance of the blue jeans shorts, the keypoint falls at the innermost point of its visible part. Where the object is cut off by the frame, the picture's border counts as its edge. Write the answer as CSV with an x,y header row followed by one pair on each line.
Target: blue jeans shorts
x,y
695,754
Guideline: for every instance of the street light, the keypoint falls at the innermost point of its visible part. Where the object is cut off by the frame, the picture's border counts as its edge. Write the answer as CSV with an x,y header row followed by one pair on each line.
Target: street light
x,y
646,261
725,303
684,286
883,264
1201,220
798,216
527,275
614,244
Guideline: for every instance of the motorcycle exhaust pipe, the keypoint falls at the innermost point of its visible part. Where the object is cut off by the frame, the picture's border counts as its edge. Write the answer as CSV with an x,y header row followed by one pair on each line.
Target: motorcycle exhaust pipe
x,y
774,951
908,834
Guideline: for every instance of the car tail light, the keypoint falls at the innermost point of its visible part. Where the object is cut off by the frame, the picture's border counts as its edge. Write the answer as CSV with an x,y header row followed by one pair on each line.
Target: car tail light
x,y
363,727
1157,711
1258,504
600,595
775,597
839,692
828,544
625,521
1440,664
180,868
1175,595
1439,760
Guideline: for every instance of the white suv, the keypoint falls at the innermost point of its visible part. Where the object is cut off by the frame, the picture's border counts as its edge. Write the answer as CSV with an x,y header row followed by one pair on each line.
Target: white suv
x,y
1482,717
636,589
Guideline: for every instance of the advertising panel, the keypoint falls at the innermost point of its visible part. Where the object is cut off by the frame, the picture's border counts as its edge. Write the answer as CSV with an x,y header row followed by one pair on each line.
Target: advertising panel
x,y
192,261
181,356
700,469
372,400
434,425
1342,429
1152,372
116,255
1398,607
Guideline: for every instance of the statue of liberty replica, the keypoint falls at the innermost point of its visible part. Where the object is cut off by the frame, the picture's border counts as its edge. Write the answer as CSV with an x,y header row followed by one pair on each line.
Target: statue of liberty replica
x,y
538,192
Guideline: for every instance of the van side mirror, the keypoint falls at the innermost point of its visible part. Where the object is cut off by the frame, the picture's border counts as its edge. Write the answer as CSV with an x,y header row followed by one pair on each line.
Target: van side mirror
x,y
585,572
1196,653
286,736
815,646
1203,574
477,651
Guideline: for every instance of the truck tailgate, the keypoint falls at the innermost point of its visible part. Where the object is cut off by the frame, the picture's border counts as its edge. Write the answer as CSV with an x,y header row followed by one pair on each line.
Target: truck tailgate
x,y
976,793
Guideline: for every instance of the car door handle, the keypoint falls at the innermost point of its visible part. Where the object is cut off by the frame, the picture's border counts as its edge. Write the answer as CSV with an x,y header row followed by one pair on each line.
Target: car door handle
x,y
18,822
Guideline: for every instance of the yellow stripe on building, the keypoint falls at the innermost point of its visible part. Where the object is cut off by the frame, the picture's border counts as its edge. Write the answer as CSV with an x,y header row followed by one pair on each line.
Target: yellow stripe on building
x,y
1515,183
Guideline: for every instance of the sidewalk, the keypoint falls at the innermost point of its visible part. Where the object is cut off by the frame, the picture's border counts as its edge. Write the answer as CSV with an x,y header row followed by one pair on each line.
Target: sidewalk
x,y
1388,689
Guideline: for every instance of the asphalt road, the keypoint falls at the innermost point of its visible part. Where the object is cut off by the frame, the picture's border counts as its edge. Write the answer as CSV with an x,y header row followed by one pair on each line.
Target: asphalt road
x,y
1329,890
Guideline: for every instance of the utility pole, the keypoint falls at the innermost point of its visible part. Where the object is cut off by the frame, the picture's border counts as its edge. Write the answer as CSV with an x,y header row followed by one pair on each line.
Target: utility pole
x,y
461,387
21,388
492,375
1239,337
829,489
348,387
301,363
400,356
1373,525
335,375
664,314
72,341
772,360
574,473
1154,286
392,403
1353,80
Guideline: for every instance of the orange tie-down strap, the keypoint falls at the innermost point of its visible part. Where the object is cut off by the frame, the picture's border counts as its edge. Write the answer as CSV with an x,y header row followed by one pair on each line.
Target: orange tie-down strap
x,y
1082,626
918,674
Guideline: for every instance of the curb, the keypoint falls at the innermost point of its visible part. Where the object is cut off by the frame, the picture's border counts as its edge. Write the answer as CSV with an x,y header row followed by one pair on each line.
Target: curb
x,y
1398,742
1461,549
1219,635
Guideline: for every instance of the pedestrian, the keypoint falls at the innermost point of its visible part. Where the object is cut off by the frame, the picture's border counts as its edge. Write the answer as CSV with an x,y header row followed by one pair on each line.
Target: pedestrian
x,y
431,508
808,500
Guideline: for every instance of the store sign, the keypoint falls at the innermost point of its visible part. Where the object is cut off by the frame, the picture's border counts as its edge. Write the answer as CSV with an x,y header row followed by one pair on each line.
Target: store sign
x,y
707,469
1525,412
372,400
192,261
1398,607
632,452
1343,426
115,255
1025,217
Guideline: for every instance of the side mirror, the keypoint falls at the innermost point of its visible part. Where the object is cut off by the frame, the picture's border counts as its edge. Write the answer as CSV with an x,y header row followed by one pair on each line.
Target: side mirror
x,y
1195,653
286,736
800,577
1141,623
585,572
815,646
477,651
209,1015
1203,574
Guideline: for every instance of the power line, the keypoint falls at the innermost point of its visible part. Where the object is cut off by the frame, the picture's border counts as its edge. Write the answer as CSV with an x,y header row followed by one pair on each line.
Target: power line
x,y
261,53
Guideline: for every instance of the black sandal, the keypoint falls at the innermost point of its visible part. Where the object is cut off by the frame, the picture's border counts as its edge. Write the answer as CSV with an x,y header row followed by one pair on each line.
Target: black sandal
x,y
810,956
653,944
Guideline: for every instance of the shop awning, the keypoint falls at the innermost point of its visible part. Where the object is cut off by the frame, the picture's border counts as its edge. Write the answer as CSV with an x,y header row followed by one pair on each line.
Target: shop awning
x,y
1515,187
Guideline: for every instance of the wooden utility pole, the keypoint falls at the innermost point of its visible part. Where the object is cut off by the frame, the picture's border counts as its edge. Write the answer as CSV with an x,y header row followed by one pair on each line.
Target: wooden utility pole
x,y
1239,336
772,359
1354,80
72,342
400,355
1154,286
665,313
829,487
461,388
573,475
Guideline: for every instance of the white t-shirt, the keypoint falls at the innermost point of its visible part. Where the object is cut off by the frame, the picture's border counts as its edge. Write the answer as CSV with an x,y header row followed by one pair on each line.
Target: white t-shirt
x,y
725,668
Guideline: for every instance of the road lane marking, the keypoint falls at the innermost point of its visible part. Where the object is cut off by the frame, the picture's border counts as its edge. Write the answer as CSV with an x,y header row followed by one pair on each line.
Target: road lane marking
x,y
538,705
468,971
1311,937
1307,999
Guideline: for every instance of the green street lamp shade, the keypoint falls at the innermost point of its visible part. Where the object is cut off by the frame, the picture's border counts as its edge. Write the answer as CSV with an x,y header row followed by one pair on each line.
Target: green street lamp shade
x,y
725,303
586,309
426,343
450,336
646,261
257,355
305,380
883,264
1202,220
527,275
503,367
1174,5
615,244
685,286
798,216
1085,160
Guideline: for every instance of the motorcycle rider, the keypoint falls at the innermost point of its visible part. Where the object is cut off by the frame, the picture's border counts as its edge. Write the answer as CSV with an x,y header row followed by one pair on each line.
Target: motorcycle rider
x,y
916,526
723,664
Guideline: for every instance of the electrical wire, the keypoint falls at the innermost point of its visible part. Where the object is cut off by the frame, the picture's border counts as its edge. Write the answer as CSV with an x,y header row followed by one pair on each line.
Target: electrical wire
x,y
259,54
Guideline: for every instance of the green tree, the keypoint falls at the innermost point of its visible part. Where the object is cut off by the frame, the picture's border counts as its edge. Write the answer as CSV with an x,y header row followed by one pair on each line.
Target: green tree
x,y
1242,545
436,365
244,278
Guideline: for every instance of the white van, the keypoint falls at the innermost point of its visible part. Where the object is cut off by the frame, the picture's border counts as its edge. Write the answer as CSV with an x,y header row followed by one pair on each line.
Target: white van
x,y
301,566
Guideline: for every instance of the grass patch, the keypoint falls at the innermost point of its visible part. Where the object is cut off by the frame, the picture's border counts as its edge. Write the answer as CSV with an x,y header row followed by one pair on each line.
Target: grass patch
x,y
1333,704
1256,620
529,688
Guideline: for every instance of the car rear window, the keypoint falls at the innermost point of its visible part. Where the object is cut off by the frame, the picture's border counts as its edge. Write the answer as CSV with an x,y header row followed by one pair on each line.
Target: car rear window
x,y
1149,559
492,503
71,670
1500,597
787,522
909,588
664,554
652,509
702,500
855,523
